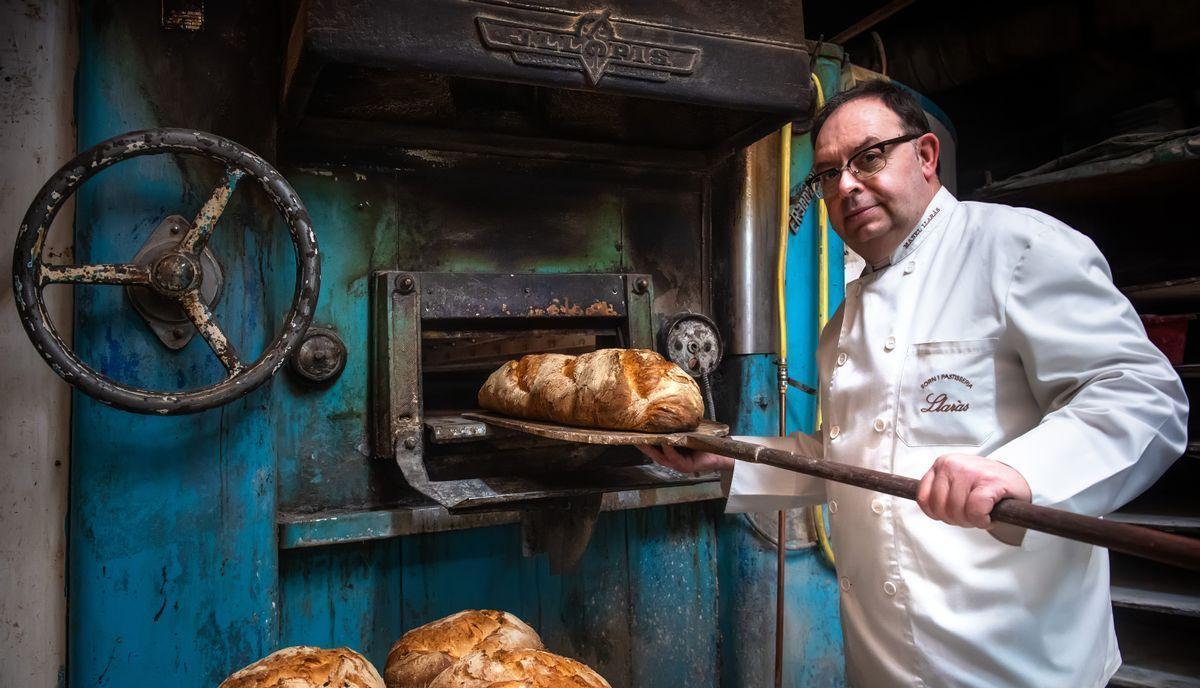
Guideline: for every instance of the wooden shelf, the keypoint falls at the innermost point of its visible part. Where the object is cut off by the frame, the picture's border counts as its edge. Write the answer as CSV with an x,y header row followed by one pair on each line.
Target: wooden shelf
x,y
1152,587
1158,651
1168,296
1173,510
1132,676
1156,601
1180,523
1188,371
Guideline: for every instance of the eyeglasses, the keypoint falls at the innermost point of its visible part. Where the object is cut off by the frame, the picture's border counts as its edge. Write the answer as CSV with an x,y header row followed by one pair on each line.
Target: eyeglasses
x,y
863,164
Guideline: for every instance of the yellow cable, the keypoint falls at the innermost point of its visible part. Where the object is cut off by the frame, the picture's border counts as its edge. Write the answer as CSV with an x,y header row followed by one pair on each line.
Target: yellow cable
x,y
817,512
785,188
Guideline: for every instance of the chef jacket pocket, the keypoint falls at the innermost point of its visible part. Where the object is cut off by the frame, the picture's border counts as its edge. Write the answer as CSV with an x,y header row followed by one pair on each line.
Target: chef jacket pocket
x,y
948,394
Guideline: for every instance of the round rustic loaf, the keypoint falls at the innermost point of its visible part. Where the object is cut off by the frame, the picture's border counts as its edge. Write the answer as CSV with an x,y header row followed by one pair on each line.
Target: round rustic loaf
x,y
518,669
426,651
307,667
614,389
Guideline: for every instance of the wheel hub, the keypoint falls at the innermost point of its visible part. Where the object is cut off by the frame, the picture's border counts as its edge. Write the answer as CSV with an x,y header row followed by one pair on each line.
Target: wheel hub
x,y
175,273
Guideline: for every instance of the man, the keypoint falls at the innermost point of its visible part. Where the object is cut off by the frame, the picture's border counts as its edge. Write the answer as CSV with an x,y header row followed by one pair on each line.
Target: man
x,y
985,351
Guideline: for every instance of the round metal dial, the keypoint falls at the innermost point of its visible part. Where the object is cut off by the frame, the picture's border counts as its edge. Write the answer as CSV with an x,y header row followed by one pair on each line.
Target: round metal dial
x,y
321,356
691,341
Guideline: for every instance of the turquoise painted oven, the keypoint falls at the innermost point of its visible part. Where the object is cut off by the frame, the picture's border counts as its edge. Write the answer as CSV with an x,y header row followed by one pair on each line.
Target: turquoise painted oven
x,y
482,179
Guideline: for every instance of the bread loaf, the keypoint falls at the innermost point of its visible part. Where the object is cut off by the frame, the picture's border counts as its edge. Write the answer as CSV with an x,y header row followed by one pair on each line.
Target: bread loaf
x,y
307,667
614,389
424,652
518,669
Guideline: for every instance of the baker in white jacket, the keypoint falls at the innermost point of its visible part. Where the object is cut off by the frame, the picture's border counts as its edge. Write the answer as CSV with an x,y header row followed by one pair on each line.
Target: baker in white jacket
x,y
986,352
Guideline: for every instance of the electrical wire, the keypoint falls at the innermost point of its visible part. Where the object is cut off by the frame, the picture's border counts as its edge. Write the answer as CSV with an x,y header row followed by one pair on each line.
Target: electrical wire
x,y
708,396
817,513
785,186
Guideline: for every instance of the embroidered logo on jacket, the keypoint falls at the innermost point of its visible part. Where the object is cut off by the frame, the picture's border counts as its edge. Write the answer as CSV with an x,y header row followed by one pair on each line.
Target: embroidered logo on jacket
x,y
921,228
942,402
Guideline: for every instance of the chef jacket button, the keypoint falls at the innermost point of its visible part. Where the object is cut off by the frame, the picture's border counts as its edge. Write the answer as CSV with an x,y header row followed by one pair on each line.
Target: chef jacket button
x,y
842,358
889,344
912,265
879,425
889,588
833,506
834,432
877,506
845,583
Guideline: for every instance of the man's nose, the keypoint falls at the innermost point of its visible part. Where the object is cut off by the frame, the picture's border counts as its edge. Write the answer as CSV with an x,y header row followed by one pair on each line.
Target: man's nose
x,y
847,183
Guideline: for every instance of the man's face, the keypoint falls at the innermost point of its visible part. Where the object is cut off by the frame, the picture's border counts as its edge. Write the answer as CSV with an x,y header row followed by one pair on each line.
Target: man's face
x,y
873,215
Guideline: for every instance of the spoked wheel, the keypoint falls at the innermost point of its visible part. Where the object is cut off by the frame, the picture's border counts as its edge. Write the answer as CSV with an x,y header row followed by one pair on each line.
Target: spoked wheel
x,y
175,273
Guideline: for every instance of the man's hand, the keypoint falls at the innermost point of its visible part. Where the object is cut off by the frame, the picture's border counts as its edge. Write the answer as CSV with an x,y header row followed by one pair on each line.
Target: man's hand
x,y
686,460
961,489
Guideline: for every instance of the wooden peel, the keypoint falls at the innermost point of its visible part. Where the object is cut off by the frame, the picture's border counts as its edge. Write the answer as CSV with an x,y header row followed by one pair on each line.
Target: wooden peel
x,y
707,428
1138,541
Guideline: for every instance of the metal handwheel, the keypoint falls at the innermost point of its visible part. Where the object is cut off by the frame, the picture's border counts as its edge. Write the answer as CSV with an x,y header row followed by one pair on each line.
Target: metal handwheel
x,y
175,273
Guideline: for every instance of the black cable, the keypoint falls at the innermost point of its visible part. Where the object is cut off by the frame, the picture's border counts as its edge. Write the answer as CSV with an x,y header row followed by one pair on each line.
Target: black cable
x,y
708,397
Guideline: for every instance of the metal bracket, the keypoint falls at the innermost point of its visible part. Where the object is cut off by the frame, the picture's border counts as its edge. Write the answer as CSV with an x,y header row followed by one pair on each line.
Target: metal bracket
x,y
561,530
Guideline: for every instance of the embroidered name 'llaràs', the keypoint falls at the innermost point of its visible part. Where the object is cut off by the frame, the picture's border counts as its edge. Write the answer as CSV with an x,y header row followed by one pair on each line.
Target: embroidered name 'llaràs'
x,y
922,226
940,404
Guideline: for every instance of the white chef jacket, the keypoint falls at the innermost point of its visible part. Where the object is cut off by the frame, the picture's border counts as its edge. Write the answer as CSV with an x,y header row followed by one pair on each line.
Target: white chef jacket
x,y
994,331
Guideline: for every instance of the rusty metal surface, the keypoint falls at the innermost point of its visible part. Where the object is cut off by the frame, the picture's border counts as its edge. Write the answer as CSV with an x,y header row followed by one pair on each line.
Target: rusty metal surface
x,y
331,140
447,296
340,527
202,227
460,221
206,324
396,363
661,74
522,492
451,429
94,274
481,349
668,246
598,436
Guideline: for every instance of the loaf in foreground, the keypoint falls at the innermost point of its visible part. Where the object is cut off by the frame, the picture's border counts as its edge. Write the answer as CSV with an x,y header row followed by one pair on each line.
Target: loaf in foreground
x,y
426,651
307,667
614,389
518,669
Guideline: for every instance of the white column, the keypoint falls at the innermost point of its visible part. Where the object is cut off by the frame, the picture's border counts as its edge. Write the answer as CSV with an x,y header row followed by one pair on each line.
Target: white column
x,y
38,54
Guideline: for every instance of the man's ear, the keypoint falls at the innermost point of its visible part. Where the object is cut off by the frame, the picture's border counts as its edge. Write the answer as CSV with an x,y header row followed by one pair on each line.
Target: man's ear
x,y
928,150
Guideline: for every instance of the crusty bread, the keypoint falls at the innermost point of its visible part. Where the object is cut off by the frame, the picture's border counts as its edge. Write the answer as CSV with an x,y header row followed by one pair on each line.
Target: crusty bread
x,y
518,669
307,667
614,389
424,652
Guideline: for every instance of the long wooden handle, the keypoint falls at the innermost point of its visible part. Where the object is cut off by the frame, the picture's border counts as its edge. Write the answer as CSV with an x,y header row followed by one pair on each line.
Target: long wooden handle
x,y
1148,543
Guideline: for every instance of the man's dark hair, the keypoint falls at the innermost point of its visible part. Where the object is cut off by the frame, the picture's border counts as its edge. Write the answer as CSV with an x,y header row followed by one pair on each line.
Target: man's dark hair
x,y
896,99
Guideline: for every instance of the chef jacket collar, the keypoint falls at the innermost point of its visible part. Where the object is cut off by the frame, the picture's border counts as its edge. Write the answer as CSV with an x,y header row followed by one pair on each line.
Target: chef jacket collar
x,y
932,219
